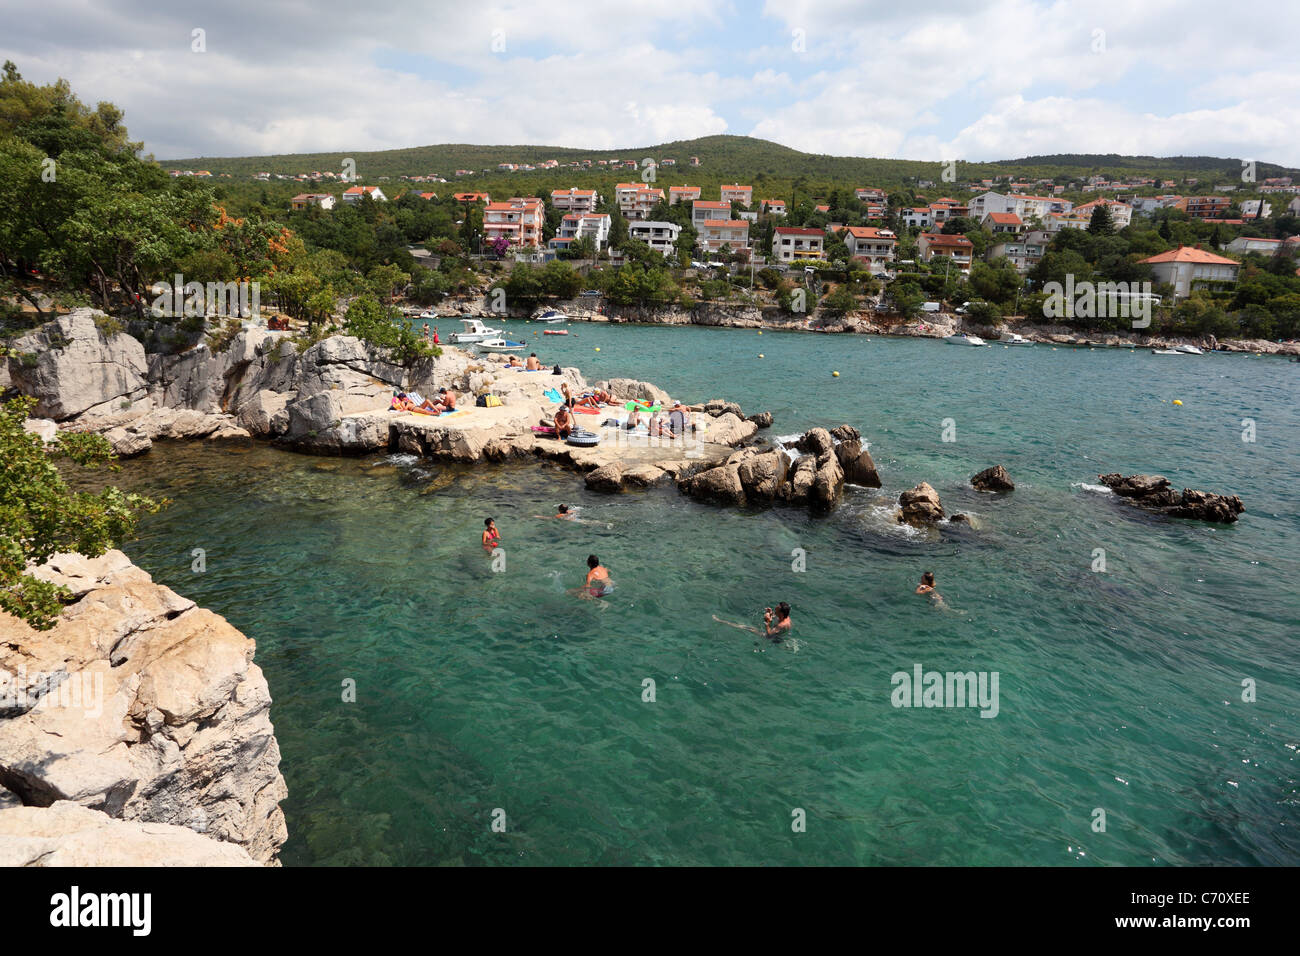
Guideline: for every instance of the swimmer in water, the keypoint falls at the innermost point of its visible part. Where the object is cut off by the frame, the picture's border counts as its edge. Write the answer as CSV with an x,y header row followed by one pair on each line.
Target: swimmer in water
x,y
776,624
927,585
491,536
598,583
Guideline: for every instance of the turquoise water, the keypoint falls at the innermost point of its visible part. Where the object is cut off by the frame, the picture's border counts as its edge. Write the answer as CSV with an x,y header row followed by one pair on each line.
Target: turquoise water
x,y
480,690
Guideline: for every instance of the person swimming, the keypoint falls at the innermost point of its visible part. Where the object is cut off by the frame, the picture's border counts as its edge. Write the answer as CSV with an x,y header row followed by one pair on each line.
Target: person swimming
x,y
777,624
598,583
491,536
927,585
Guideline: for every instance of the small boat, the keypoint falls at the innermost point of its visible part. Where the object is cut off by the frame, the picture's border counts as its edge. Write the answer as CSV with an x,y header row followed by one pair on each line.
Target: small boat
x,y
556,332
500,345
965,340
1167,352
1188,350
474,331
1015,338
550,315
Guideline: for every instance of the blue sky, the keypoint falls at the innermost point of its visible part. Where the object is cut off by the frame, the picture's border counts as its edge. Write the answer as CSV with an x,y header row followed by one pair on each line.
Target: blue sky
x,y
947,79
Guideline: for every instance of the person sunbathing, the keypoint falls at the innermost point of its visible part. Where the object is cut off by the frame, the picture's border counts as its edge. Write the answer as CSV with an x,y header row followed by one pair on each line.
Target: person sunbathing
x,y
513,362
596,399
403,403
532,364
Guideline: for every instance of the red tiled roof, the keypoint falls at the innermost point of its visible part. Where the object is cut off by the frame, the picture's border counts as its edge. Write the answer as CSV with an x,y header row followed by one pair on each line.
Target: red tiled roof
x,y
1193,255
798,231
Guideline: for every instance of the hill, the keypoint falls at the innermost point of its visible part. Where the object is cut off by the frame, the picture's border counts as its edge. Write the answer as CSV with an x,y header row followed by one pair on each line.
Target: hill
x,y
723,158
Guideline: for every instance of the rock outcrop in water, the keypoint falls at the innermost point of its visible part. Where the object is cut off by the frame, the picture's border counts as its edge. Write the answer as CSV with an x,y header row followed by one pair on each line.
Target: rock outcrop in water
x,y
812,477
1155,493
920,506
142,705
993,479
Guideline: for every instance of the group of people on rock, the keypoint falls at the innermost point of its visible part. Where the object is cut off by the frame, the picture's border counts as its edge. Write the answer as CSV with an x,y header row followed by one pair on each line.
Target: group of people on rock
x,y
417,403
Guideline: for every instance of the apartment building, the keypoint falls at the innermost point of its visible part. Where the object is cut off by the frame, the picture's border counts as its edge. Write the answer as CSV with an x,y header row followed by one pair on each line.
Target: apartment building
x,y
518,220
791,242
574,200
659,236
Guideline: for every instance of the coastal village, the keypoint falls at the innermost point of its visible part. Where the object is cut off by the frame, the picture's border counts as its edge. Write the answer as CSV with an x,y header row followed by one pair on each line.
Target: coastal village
x,y
974,251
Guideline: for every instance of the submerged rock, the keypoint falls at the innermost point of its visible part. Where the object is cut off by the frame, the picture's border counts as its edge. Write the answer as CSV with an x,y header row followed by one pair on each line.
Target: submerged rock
x,y
1155,493
993,479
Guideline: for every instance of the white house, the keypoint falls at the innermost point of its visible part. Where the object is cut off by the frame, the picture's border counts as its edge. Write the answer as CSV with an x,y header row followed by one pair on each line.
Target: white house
x,y
659,236
1187,265
355,194
303,200
873,245
791,242
917,216
578,225
1121,214
574,200
1250,209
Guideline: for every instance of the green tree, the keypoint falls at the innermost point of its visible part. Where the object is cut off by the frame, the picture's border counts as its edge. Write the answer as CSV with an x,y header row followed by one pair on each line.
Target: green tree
x,y
40,516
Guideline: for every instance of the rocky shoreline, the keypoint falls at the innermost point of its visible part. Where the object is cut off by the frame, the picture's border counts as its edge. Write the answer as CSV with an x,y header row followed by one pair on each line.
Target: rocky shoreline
x,y
929,326
148,712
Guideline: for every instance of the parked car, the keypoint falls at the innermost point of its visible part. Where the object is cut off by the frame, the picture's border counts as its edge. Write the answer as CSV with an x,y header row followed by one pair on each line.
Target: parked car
x,y
930,307
589,292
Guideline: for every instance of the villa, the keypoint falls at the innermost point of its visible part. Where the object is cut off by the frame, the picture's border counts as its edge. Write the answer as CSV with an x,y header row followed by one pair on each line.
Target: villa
x,y
790,243
518,220
659,236
1185,266
355,194
958,248
872,245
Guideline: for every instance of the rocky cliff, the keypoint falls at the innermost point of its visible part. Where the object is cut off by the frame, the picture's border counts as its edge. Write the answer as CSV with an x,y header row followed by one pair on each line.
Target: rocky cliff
x,y
141,705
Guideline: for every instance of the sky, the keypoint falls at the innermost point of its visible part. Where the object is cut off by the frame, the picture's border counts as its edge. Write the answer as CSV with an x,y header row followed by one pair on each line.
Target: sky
x,y
966,80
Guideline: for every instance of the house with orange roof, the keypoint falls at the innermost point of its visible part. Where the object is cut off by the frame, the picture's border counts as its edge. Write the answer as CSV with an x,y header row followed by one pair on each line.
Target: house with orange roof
x,y
579,225
574,200
1002,222
916,217
519,221
737,194
307,200
354,194
716,233
774,207
679,194
958,248
427,196
1121,214
791,242
1186,266
704,209
873,245
468,198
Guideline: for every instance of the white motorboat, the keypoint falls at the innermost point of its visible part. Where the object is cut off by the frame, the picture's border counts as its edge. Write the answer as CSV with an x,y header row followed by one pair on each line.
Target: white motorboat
x,y
474,331
550,315
500,345
965,340
1188,350
1168,352
1015,338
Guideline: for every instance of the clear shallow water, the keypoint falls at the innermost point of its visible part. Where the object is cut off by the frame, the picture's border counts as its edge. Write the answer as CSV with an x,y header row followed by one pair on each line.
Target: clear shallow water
x,y
479,690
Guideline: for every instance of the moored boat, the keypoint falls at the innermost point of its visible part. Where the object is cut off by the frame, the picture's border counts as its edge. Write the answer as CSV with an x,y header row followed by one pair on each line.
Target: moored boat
x,y
965,340
474,331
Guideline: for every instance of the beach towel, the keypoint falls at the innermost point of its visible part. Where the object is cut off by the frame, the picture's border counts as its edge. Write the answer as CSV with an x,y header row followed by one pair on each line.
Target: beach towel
x,y
554,394
586,410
